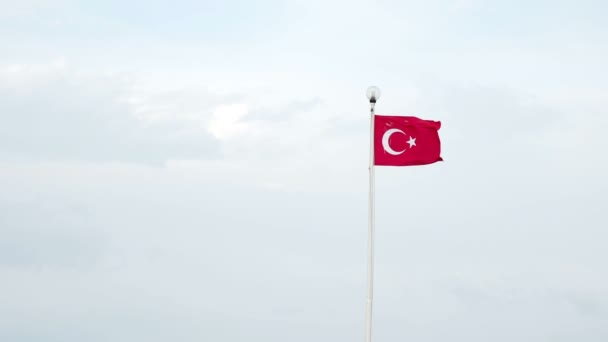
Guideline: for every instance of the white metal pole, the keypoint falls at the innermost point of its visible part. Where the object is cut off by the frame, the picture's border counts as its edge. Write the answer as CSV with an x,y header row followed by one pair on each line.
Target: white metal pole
x,y
371,214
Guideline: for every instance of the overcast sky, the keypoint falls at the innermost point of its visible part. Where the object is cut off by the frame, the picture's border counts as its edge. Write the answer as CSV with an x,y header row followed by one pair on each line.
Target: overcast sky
x,y
197,171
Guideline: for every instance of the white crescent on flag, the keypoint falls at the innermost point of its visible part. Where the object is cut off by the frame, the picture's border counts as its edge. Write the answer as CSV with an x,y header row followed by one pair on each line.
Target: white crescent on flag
x,y
387,147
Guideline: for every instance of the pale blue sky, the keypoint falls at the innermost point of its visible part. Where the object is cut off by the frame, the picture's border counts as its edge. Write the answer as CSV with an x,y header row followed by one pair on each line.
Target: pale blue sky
x,y
197,171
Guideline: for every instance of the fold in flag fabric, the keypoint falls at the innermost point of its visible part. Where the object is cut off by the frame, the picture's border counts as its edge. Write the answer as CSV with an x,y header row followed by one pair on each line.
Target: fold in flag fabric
x,y
406,141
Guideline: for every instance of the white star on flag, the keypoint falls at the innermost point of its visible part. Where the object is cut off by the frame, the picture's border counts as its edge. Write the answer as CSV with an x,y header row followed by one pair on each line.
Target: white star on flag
x,y
412,142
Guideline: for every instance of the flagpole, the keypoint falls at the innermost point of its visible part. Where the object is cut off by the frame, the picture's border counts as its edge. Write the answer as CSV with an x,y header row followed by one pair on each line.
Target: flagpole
x,y
373,93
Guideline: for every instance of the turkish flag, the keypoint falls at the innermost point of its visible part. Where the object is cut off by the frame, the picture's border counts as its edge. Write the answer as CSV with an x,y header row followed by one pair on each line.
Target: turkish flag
x,y
406,141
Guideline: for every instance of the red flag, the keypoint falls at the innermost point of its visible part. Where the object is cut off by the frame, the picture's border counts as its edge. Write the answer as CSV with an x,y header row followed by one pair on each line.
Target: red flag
x,y
406,141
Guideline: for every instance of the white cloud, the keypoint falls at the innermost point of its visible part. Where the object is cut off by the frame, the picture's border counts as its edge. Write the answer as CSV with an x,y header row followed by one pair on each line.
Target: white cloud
x,y
227,121
53,112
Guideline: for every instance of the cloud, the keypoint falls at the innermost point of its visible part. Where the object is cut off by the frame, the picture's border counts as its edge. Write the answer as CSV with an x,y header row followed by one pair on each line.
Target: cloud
x,y
26,8
285,112
170,229
54,113
226,121
44,235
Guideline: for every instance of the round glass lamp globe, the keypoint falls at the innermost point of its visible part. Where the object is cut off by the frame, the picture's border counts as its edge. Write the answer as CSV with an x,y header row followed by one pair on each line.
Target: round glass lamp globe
x,y
373,93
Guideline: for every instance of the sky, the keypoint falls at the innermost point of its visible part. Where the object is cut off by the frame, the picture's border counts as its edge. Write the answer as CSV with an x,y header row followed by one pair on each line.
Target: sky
x,y
197,171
